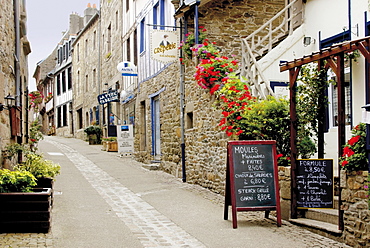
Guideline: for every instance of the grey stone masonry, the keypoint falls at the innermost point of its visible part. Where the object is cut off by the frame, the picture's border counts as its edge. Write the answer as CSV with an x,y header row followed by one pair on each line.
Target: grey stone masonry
x,y
355,197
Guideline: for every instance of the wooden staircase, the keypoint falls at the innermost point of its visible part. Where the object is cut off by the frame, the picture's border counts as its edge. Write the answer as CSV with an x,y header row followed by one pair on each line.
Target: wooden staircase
x,y
262,41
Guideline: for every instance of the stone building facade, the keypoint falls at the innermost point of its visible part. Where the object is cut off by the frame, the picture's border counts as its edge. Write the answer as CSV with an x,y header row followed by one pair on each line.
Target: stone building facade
x,y
205,145
85,76
111,56
45,84
14,48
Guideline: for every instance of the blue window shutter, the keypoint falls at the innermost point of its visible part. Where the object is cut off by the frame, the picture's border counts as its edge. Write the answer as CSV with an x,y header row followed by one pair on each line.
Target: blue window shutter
x,y
142,35
155,16
162,14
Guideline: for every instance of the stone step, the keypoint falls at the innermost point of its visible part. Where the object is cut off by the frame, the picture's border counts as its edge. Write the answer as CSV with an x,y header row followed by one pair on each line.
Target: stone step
x,y
323,228
324,215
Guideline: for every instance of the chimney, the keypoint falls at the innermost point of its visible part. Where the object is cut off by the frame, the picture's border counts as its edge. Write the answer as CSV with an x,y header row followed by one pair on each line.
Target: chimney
x,y
94,6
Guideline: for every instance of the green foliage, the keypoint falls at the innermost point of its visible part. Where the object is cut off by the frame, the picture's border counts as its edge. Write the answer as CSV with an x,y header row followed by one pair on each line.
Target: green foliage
x,y
12,150
268,120
109,139
35,135
38,166
189,42
310,100
16,181
93,129
354,152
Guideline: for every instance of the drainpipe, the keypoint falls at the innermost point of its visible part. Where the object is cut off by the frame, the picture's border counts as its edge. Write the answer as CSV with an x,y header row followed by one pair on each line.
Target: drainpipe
x,y
17,62
100,106
182,108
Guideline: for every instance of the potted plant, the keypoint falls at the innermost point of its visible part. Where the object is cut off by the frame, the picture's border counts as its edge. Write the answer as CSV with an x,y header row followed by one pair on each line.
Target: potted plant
x,y
43,170
94,133
112,145
23,208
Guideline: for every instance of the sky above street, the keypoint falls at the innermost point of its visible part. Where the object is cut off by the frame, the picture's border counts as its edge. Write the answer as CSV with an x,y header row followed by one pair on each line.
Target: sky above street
x,y
46,20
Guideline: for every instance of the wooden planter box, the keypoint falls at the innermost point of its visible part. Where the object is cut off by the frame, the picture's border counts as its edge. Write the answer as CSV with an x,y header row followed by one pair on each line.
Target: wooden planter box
x,y
22,212
112,146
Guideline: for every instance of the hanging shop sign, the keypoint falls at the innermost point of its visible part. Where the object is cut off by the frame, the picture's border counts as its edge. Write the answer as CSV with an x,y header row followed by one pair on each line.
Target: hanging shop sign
x,y
127,68
164,45
111,96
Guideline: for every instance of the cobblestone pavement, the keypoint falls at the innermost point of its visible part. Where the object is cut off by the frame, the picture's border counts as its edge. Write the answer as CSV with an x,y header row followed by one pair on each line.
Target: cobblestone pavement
x,y
150,227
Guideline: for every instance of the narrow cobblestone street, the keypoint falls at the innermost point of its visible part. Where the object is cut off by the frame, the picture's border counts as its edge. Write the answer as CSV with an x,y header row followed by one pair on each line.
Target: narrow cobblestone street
x,y
102,200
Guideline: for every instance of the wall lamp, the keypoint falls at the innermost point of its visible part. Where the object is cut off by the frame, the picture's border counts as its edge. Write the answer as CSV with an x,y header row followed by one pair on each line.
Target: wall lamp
x,y
9,100
308,41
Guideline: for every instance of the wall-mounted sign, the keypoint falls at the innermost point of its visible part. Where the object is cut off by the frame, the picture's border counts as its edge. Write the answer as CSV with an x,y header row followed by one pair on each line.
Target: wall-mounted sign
x,y
127,68
108,97
164,45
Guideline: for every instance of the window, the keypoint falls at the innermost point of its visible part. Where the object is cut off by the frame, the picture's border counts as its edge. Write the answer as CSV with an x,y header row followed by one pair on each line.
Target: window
x,y
78,82
94,40
189,120
69,78
59,117
142,35
155,16
135,47
86,47
143,141
117,20
79,118
78,52
87,83
347,99
63,81
64,115
162,14
109,39
128,53
94,78
58,84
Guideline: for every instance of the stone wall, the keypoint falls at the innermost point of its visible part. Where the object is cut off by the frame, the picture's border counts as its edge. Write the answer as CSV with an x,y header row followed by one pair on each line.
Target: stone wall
x,y
7,81
205,144
356,215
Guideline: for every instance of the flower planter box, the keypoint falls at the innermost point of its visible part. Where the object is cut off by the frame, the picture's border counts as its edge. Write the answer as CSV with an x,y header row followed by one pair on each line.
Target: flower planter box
x,y
25,211
112,146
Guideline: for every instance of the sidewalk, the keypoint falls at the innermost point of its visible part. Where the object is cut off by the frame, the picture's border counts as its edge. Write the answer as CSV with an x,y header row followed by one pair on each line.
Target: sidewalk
x,y
102,200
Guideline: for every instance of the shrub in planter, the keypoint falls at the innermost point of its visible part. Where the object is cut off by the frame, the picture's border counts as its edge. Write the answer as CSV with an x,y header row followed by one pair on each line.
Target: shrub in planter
x,y
92,131
38,166
16,181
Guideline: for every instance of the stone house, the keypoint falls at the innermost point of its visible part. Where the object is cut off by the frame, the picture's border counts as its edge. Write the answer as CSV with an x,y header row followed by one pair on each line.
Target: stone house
x,y
85,75
111,46
14,48
43,76
191,127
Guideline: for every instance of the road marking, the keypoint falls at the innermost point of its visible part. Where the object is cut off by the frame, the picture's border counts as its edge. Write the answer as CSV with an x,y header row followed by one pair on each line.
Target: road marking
x,y
152,228
55,153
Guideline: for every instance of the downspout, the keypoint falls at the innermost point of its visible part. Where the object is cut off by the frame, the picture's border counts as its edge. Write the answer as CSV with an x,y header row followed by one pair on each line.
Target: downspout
x,y
18,88
182,108
350,62
100,106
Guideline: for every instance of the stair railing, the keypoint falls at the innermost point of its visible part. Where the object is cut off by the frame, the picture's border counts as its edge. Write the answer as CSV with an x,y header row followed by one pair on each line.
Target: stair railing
x,y
261,41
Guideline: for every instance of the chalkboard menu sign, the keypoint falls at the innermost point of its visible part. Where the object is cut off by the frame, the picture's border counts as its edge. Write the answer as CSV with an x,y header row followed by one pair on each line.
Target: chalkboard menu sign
x,y
252,180
315,183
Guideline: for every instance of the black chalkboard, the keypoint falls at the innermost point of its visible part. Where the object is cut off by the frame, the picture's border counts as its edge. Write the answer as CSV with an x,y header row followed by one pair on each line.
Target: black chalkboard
x,y
253,175
252,179
315,183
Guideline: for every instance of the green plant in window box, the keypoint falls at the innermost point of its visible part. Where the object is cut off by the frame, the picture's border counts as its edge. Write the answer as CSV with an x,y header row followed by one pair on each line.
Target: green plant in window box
x,y
38,166
16,181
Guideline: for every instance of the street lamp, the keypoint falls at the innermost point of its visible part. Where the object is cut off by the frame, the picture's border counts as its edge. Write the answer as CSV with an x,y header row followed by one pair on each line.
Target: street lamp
x,y
9,100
